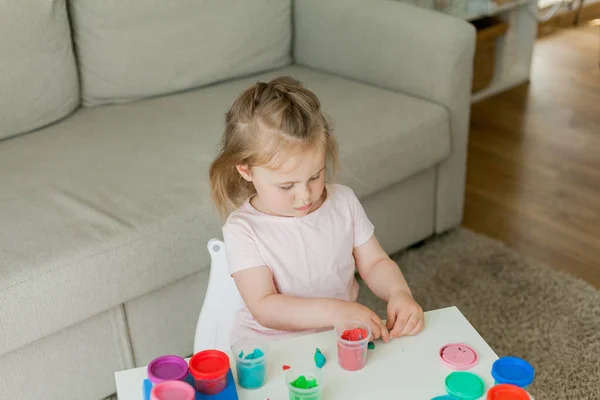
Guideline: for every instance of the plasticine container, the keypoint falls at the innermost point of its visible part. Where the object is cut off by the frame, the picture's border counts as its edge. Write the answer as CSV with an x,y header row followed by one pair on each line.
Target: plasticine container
x,y
507,392
251,362
310,374
172,390
167,368
514,371
352,354
209,369
464,385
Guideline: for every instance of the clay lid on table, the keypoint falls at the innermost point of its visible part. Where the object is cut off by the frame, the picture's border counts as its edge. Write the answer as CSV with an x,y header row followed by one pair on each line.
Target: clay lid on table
x,y
465,385
507,392
513,370
458,356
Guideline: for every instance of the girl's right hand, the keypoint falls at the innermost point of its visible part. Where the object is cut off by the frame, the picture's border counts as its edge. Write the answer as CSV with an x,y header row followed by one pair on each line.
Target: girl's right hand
x,y
355,311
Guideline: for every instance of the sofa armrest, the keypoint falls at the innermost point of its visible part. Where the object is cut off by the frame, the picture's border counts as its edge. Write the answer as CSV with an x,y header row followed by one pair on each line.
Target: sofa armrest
x,y
403,48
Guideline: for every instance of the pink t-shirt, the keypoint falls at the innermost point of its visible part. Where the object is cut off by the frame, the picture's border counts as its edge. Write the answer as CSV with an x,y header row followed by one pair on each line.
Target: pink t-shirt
x,y
309,256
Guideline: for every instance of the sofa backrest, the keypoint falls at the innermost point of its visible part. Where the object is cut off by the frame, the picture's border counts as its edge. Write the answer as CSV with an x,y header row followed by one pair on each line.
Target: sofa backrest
x,y
38,74
132,49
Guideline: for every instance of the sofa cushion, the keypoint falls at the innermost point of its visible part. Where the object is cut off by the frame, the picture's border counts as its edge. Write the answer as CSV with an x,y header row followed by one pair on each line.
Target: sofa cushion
x,y
113,202
38,76
139,48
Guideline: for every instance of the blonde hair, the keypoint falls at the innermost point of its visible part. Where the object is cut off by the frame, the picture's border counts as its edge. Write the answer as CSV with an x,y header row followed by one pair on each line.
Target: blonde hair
x,y
265,120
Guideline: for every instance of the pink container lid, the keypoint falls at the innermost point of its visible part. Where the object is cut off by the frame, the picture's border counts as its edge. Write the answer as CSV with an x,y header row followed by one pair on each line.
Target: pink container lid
x,y
458,356
167,368
173,390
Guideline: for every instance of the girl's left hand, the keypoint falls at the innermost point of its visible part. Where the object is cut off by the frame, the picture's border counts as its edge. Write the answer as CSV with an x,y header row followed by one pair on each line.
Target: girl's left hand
x,y
404,316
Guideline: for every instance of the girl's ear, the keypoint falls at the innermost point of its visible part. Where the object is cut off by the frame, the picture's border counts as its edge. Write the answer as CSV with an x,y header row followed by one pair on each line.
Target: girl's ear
x,y
244,171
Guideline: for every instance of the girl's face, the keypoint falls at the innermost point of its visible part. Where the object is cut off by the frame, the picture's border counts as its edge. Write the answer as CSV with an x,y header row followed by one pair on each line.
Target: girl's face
x,y
292,190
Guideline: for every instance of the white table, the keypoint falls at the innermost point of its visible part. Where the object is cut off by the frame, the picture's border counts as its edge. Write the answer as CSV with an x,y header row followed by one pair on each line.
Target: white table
x,y
407,368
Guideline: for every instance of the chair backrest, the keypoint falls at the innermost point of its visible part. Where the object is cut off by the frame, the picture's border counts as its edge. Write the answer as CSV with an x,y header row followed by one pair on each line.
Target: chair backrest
x,y
220,304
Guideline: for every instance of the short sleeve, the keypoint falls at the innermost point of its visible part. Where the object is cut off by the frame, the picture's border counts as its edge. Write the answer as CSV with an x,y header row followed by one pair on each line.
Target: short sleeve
x,y
240,245
363,228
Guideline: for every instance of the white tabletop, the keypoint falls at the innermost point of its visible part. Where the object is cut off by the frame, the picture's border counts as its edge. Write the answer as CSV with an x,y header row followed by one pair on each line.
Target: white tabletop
x,y
408,368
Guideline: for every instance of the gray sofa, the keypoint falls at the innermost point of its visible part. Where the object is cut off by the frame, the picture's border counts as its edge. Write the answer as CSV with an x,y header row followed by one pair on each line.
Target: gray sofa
x,y
110,113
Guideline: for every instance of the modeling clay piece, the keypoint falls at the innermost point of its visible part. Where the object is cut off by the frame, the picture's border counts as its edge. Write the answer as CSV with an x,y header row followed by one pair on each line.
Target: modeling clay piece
x,y
286,367
371,346
302,383
354,335
257,353
319,359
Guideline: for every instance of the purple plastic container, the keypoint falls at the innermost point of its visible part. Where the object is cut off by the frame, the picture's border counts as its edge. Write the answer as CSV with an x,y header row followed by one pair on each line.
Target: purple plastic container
x,y
167,368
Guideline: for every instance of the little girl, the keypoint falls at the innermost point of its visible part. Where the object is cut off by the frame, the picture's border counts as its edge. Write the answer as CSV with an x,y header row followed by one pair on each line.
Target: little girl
x,y
294,240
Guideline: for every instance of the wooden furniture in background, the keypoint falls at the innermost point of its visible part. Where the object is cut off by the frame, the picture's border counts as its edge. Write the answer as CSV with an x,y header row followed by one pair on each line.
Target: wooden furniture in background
x,y
514,49
583,13
533,168
489,31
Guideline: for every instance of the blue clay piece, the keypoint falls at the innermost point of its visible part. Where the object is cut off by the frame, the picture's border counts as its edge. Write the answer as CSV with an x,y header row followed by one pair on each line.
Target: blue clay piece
x,y
319,359
257,353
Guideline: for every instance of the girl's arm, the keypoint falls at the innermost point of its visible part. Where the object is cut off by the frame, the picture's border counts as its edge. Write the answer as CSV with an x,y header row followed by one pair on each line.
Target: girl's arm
x,y
289,313
384,278
380,273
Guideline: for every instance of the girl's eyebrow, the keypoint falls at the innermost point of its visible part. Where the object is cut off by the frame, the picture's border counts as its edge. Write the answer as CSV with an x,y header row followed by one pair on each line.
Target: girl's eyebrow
x,y
292,182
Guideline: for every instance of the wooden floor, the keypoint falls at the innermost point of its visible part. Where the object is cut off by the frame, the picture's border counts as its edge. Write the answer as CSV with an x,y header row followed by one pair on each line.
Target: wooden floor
x,y
533,178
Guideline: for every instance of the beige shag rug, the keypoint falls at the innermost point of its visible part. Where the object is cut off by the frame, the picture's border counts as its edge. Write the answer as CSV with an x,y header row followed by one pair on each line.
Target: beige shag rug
x,y
519,306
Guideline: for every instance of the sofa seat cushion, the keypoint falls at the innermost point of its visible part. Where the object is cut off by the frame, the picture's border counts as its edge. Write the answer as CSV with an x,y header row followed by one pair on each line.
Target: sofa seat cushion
x,y
113,202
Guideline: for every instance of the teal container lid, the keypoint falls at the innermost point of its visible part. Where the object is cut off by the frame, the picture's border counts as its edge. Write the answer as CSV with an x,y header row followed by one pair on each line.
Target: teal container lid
x,y
513,370
445,397
465,385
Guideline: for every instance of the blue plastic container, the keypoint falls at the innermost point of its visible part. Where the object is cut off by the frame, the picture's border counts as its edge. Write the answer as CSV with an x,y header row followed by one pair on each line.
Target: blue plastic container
x,y
514,371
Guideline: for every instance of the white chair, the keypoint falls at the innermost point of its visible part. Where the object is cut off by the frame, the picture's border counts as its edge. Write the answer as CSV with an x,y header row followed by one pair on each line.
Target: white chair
x,y
221,302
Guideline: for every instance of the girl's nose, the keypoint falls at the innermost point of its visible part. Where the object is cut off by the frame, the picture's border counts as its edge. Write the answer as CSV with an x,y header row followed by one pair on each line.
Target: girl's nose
x,y
304,193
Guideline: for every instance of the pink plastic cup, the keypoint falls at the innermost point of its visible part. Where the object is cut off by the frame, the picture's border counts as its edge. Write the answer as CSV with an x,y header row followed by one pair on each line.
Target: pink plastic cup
x,y
352,354
173,390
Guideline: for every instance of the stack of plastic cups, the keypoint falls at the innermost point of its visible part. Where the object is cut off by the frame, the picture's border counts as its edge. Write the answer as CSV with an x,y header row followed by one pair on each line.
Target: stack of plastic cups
x,y
251,362
312,387
209,369
352,354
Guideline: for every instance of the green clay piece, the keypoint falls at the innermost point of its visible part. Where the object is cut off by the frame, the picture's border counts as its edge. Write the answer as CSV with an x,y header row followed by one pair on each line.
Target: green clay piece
x,y
371,346
320,359
302,383
241,355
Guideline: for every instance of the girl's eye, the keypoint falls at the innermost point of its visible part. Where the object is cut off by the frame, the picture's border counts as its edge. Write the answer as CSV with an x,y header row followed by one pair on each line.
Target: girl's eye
x,y
286,188
315,178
